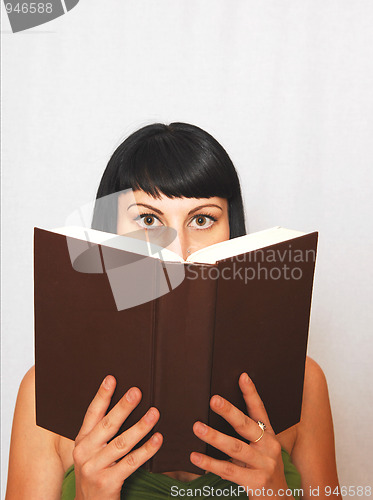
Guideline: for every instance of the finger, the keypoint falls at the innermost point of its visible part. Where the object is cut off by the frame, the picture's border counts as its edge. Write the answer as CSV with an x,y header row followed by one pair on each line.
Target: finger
x,y
110,424
224,469
136,458
242,424
238,462
254,404
123,444
97,408
231,446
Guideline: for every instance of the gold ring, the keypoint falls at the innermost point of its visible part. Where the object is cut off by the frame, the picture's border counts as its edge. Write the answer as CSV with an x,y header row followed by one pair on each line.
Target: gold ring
x,y
262,427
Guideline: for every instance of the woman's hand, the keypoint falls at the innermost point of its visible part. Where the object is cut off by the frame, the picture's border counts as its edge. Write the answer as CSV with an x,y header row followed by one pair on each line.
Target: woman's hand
x,y
255,466
101,467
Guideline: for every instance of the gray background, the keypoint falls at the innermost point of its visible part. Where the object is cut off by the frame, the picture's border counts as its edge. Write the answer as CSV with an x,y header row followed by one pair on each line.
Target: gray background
x,y
285,86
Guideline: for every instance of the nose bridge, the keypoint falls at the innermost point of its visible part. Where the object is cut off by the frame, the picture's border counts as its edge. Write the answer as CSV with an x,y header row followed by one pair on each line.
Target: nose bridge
x,y
181,242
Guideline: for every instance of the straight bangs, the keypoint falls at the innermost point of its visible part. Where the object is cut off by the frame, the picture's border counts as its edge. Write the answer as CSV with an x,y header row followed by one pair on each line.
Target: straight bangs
x,y
175,167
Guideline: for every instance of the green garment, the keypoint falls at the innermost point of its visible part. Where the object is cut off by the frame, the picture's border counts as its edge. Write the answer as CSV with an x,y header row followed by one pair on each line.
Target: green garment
x,y
143,485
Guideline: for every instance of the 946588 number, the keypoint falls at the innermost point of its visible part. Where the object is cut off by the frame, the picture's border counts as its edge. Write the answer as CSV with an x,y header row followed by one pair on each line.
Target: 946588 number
x,y
349,491
30,8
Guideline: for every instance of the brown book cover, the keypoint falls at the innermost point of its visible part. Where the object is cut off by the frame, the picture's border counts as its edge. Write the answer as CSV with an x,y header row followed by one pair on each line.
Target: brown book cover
x,y
249,312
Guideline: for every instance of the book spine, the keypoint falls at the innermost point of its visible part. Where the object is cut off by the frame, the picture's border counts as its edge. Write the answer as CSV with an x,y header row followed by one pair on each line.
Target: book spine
x,y
182,366
156,291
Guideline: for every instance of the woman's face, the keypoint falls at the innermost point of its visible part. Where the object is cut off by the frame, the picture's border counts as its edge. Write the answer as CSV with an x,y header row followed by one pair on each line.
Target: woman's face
x,y
199,222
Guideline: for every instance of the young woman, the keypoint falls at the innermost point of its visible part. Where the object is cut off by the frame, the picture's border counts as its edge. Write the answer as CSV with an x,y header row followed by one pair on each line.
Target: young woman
x,y
181,178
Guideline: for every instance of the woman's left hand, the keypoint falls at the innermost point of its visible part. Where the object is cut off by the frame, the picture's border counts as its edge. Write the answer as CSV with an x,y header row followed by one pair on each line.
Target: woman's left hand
x,y
255,466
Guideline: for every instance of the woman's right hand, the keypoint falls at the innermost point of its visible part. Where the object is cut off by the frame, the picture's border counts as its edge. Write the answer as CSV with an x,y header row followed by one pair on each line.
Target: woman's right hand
x,y
102,467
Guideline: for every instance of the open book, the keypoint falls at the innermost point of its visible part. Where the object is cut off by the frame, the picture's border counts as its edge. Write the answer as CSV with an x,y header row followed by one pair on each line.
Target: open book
x,y
179,330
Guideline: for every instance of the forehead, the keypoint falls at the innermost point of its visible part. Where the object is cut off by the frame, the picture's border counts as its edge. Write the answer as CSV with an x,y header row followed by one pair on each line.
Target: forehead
x,y
164,203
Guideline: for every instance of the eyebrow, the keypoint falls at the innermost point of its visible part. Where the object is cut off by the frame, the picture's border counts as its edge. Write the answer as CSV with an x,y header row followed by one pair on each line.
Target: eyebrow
x,y
161,213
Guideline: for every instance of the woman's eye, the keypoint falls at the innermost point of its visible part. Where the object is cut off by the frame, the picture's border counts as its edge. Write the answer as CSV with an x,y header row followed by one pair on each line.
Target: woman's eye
x,y
148,221
202,221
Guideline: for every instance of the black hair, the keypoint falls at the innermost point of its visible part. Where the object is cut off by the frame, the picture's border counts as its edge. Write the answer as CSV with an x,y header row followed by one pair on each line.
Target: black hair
x,y
177,160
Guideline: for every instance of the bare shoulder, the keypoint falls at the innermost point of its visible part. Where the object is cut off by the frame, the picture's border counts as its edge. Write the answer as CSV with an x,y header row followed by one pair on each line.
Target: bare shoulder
x,y
35,469
313,452
315,405
314,378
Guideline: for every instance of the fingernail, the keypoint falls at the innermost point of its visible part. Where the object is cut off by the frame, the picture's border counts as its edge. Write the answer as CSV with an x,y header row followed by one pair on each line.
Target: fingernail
x,y
131,395
217,401
150,415
107,382
201,428
155,439
196,457
246,378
